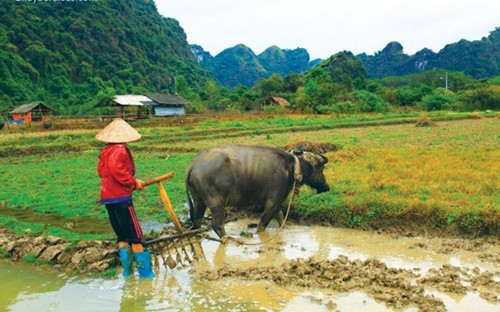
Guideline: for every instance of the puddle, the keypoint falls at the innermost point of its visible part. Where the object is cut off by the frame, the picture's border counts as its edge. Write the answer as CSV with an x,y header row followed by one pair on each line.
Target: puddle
x,y
295,242
26,288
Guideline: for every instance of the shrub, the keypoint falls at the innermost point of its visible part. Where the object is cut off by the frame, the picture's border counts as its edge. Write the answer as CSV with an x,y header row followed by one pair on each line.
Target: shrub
x,y
30,258
482,98
407,96
440,99
326,109
195,107
345,107
370,103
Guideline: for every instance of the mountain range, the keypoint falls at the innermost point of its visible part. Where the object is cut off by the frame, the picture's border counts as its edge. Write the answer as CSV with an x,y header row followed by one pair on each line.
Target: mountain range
x,y
479,58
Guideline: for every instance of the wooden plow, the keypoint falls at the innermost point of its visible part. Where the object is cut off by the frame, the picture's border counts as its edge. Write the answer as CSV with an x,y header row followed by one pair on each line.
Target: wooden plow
x,y
183,247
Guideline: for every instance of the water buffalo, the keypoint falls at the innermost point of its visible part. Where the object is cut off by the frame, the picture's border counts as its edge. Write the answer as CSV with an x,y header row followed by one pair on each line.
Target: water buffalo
x,y
244,176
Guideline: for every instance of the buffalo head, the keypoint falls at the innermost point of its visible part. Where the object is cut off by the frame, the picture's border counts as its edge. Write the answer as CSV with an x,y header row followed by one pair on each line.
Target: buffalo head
x,y
311,166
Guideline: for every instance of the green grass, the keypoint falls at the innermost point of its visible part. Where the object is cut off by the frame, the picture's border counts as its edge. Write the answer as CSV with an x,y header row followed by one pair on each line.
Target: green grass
x,y
68,185
443,177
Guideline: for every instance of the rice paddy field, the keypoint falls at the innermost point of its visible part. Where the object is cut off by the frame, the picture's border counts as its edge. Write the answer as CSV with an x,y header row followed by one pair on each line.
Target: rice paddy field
x,y
387,173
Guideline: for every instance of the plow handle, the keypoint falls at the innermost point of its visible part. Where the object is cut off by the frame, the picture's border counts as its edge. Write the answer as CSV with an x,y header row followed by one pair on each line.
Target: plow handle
x,y
159,179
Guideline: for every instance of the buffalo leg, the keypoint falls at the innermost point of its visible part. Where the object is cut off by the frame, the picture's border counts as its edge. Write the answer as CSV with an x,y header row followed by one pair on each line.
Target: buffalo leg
x,y
279,217
218,217
197,214
270,210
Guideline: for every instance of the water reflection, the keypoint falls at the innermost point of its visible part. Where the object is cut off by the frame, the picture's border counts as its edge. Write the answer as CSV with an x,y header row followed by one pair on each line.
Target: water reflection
x,y
20,282
137,294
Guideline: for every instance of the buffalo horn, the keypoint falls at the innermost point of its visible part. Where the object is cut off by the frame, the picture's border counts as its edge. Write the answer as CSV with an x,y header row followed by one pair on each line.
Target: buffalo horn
x,y
324,157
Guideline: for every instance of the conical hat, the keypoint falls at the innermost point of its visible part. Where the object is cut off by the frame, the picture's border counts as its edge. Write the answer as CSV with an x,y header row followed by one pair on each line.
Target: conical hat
x,y
118,131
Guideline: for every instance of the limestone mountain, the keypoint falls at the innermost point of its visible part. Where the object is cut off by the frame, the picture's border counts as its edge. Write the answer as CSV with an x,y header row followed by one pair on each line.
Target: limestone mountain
x,y
344,68
240,65
479,58
284,62
234,66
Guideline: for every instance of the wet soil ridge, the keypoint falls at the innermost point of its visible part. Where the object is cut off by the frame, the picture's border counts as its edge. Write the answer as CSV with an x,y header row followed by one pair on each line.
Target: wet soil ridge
x,y
86,256
481,246
398,288
312,147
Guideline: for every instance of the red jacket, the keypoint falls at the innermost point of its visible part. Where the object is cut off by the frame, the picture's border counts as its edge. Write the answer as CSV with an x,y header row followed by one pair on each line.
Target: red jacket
x,y
117,169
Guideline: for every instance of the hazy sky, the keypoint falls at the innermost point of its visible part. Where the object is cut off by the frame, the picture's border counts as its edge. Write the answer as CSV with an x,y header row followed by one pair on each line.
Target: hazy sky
x,y
325,27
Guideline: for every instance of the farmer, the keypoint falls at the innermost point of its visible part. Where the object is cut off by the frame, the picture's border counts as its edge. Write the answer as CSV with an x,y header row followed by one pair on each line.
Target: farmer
x,y
117,169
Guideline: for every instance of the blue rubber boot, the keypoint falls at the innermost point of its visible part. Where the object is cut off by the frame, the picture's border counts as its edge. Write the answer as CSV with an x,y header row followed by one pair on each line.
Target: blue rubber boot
x,y
127,259
143,263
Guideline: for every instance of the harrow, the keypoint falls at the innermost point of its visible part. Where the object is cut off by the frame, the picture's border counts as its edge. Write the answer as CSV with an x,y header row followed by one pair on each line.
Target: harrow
x,y
180,248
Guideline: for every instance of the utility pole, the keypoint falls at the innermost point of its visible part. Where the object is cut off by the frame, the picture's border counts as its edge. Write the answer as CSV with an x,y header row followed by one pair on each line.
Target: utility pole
x,y
445,80
175,84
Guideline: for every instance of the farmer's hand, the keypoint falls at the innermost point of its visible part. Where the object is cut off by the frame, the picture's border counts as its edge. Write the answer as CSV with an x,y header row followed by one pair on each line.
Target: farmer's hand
x,y
139,185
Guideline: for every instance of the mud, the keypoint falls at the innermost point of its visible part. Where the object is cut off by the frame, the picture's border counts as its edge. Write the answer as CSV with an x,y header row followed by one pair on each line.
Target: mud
x,y
426,123
318,264
467,266
313,147
397,288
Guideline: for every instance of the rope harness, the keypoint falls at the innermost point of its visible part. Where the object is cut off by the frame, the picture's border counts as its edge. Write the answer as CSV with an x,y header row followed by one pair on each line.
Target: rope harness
x,y
297,180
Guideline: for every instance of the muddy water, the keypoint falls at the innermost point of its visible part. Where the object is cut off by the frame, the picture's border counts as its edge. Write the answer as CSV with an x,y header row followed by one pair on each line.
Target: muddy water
x,y
29,288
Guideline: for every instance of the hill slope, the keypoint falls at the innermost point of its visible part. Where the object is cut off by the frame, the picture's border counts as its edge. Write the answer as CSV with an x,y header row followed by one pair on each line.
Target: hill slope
x,y
64,53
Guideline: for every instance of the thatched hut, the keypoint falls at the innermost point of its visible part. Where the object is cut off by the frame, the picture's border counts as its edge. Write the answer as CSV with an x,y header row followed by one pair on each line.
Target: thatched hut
x,y
275,100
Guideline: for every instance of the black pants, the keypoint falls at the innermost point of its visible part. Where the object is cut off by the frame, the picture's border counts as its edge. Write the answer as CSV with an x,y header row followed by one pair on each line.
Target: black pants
x,y
124,222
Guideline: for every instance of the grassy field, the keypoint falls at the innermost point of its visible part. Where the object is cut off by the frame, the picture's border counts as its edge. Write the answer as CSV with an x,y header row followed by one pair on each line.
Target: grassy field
x,y
387,172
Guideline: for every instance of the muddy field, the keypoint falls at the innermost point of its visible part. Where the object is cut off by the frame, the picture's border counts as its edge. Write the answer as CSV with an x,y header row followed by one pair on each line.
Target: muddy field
x,y
399,269
406,275
396,287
